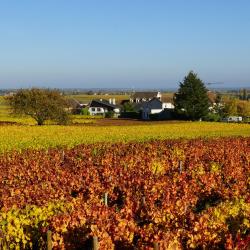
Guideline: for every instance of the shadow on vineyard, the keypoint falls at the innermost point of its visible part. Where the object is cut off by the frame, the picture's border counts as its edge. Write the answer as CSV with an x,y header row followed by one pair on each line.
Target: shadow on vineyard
x,y
77,239
206,201
172,194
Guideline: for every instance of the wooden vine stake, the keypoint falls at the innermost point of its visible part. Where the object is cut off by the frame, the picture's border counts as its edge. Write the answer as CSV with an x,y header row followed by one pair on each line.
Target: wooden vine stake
x,y
143,201
156,246
63,155
95,243
49,240
106,199
180,167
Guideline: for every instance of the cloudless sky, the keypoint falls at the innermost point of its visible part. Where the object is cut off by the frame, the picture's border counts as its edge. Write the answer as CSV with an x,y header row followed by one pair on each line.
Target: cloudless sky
x,y
123,43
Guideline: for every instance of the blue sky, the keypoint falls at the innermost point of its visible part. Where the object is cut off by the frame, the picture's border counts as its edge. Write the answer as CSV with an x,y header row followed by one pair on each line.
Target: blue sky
x,y
123,43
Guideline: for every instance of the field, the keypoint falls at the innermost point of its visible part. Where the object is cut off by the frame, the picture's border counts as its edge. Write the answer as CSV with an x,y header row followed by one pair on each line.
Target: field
x,y
15,137
18,133
132,184
177,194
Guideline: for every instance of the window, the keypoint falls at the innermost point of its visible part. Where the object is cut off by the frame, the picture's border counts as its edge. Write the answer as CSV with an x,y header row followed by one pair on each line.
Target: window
x,y
92,109
99,109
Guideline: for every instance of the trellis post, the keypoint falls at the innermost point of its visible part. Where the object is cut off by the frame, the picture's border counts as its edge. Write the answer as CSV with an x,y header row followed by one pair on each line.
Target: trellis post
x,y
95,243
106,199
49,240
156,246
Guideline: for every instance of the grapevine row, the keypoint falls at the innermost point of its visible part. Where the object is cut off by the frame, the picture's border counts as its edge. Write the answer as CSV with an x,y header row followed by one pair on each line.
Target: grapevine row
x,y
181,194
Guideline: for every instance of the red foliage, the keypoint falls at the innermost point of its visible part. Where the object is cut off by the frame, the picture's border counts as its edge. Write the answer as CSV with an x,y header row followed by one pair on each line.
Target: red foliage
x,y
143,205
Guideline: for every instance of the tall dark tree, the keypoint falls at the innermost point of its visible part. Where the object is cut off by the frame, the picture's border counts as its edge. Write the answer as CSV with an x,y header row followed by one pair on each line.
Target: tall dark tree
x,y
40,104
191,100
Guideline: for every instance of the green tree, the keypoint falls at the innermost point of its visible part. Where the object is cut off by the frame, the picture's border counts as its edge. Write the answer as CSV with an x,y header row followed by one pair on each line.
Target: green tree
x,y
230,108
243,108
109,114
191,99
84,111
128,107
40,104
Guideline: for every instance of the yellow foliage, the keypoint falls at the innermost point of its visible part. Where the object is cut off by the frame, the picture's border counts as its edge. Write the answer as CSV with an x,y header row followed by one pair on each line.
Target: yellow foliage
x,y
157,168
215,167
37,137
14,221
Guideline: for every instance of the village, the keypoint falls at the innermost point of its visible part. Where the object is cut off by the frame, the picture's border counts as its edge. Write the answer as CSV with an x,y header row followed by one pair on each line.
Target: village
x,y
144,105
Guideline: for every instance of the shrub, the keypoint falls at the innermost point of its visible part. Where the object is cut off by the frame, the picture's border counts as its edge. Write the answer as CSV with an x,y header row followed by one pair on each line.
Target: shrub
x,y
109,114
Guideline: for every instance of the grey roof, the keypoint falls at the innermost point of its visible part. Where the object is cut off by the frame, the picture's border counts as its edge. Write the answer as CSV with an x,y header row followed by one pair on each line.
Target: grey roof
x,y
155,103
102,103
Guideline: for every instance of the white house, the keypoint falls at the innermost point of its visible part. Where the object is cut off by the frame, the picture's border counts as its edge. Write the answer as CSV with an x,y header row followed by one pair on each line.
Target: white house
x,y
100,107
154,106
167,105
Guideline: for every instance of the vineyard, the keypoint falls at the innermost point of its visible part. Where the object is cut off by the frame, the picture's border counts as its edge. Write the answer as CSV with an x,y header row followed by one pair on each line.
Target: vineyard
x,y
42,137
180,194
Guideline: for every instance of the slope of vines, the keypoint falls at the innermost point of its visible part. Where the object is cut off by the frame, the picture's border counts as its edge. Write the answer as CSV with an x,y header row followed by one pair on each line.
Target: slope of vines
x,y
182,194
